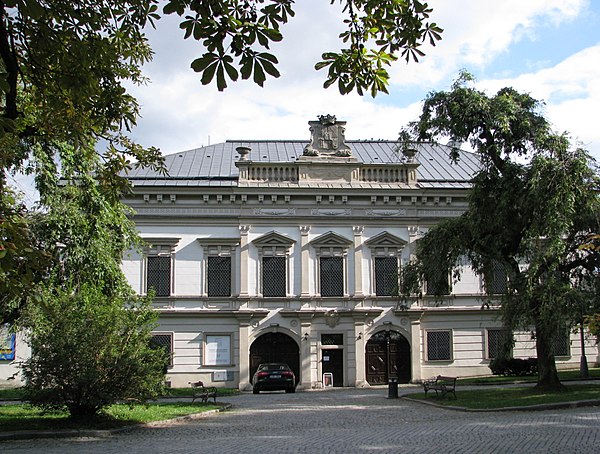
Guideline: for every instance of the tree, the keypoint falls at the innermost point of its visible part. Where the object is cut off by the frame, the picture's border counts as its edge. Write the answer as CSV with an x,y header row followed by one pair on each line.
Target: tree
x,y
23,261
90,351
532,205
89,333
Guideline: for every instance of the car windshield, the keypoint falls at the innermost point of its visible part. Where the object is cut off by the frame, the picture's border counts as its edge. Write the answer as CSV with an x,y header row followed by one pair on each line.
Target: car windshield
x,y
274,367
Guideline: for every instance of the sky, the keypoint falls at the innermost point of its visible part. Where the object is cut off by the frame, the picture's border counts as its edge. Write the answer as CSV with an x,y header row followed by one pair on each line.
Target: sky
x,y
548,48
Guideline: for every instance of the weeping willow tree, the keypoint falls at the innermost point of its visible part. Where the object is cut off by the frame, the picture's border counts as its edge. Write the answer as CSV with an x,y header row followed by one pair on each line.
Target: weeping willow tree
x,y
532,205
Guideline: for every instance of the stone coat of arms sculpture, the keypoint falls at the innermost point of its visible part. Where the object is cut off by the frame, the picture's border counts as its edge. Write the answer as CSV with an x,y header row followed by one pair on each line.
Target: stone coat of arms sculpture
x,y
327,138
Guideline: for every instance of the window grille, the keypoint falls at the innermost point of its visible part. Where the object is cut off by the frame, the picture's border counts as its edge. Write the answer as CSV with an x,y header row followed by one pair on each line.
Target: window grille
x,y
274,276
219,276
497,282
497,340
332,339
437,282
332,276
159,275
386,276
164,341
561,344
439,345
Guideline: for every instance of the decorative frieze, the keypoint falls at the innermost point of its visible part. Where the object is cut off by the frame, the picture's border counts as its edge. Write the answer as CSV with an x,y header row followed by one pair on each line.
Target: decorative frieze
x,y
330,212
274,211
386,213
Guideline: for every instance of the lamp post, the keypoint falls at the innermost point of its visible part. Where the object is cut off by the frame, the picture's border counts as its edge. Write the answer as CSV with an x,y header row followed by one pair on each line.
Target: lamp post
x,y
392,378
583,365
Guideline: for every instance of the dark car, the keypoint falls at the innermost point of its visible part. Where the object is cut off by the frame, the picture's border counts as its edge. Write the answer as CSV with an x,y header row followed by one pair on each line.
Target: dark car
x,y
272,377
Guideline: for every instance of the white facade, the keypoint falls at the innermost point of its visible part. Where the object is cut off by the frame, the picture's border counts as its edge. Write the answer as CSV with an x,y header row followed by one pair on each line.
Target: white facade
x,y
337,205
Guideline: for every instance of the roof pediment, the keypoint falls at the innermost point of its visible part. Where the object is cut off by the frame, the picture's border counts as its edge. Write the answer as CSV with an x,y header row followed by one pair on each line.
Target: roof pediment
x,y
331,239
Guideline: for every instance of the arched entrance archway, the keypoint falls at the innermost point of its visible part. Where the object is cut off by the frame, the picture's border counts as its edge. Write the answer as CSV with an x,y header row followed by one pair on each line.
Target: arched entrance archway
x,y
275,348
388,356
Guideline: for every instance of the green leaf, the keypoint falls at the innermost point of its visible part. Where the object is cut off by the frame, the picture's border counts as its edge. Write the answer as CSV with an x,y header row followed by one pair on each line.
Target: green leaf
x,y
221,82
259,74
209,73
200,64
231,71
246,69
174,6
322,64
269,67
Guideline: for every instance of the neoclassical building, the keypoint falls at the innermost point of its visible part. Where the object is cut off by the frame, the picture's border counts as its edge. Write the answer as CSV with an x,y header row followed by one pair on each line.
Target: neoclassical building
x,y
290,251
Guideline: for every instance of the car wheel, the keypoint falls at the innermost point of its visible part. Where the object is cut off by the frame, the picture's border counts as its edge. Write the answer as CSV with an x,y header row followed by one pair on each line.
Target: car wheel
x,y
290,390
254,391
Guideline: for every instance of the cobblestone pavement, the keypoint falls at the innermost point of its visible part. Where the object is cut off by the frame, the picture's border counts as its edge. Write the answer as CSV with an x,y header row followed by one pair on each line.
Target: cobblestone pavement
x,y
344,421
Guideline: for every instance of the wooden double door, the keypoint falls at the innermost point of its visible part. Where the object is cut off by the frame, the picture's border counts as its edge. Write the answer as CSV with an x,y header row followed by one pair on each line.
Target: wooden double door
x,y
388,356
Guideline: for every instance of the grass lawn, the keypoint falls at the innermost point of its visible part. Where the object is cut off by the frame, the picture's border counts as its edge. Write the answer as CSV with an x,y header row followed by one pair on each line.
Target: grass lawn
x,y
490,398
187,392
16,393
572,374
25,417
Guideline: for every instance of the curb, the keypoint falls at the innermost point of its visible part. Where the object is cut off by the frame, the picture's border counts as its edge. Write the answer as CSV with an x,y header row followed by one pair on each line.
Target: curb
x,y
69,433
538,407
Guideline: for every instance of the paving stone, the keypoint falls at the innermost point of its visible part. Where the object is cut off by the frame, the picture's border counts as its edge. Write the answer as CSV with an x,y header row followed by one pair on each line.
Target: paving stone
x,y
344,421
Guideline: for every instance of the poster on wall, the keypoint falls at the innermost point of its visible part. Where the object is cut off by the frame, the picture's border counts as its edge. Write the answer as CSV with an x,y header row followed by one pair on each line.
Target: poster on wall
x,y
217,350
7,344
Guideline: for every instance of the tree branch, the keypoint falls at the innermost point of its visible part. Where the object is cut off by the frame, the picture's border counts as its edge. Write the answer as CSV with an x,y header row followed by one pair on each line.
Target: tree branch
x,y
11,65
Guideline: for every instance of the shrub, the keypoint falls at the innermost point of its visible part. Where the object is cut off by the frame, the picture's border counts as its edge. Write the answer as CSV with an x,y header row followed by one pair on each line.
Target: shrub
x,y
514,366
90,351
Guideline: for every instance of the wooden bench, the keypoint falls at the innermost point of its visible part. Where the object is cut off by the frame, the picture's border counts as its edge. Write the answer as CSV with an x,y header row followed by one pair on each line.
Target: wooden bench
x,y
199,391
441,384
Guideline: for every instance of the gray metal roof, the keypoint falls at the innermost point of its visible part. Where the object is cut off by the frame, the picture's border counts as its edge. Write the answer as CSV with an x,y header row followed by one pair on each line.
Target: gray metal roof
x,y
214,165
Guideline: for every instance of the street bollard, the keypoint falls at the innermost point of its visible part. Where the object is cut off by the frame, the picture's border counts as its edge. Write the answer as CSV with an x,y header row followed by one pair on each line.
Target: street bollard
x,y
393,388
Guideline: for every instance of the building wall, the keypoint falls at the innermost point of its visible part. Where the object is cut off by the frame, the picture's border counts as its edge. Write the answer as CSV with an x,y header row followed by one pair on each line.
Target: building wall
x,y
191,317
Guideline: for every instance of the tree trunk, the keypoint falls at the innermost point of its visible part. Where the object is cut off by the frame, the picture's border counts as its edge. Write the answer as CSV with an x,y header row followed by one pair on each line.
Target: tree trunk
x,y
547,375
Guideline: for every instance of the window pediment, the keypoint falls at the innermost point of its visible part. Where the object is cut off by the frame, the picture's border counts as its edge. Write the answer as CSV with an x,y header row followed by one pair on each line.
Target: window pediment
x,y
331,239
159,246
219,246
386,239
273,239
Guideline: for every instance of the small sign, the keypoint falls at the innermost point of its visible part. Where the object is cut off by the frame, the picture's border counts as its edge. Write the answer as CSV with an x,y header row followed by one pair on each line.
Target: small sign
x,y
325,358
7,343
223,375
217,350
328,380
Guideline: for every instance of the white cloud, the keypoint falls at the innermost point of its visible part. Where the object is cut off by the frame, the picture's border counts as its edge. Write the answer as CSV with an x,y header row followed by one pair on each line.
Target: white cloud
x,y
476,32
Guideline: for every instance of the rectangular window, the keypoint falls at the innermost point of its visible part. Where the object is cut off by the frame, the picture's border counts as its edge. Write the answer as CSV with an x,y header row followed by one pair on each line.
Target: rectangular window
x,y
332,339
165,341
437,282
497,282
332,276
439,345
496,342
159,275
273,276
561,344
219,276
386,276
